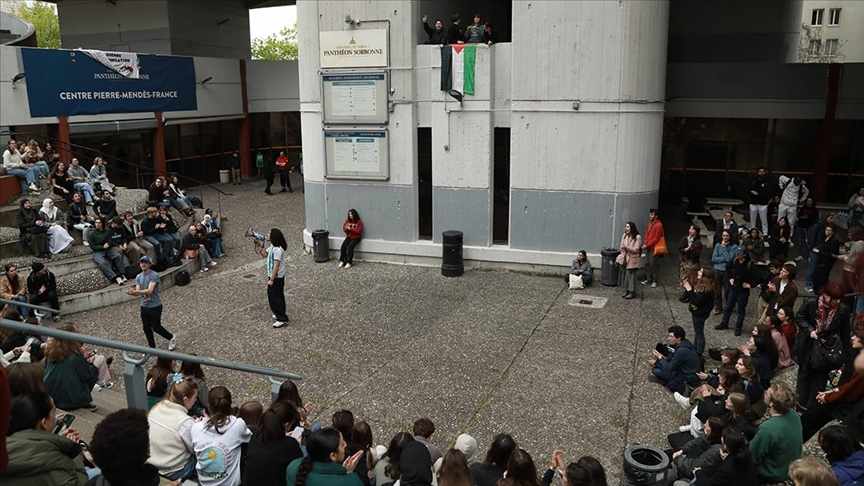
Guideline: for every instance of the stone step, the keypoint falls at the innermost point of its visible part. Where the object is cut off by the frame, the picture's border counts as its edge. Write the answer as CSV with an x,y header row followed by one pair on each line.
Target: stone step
x,y
106,401
116,294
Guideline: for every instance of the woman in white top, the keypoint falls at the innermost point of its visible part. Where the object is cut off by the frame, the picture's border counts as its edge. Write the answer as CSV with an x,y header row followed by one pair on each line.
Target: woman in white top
x,y
170,427
58,238
216,442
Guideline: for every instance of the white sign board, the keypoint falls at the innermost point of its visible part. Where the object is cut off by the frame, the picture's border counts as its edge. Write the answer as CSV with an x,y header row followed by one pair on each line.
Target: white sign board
x,y
353,48
357,154
355,97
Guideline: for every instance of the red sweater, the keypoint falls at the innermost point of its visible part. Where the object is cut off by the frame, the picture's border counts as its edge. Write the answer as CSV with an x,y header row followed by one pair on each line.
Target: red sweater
x,y
353,229
849,392
653,233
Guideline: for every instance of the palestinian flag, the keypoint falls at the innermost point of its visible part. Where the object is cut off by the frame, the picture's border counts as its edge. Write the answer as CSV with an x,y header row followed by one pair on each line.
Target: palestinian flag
x,y
457,67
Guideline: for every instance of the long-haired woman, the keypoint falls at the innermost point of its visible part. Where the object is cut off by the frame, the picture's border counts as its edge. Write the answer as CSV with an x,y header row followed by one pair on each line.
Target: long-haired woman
x,y
216,441
270,450
275,255
71,371
630,257
326,462
700,298
454,470
387,468
353,229
170,427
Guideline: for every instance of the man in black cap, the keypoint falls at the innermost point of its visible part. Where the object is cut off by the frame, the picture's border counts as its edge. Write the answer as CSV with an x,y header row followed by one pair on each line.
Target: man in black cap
x,y
454,34
147,285
42,288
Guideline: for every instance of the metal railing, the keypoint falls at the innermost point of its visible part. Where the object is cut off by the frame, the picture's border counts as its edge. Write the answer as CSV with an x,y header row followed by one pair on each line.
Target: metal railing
x,y
134,374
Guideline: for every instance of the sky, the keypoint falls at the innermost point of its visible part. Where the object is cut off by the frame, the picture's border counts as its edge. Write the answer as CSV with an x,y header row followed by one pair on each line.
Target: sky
x,y
266,21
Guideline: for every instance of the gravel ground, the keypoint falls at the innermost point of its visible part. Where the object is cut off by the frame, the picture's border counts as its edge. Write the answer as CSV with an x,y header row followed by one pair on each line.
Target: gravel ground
x,y
491,351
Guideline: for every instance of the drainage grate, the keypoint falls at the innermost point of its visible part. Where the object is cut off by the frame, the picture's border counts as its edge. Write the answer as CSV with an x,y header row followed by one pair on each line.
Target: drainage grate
x,y
249,276
589,301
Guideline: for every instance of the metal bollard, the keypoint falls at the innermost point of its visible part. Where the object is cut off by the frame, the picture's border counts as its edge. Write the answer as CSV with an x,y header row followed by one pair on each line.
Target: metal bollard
x,y
135,380
274,388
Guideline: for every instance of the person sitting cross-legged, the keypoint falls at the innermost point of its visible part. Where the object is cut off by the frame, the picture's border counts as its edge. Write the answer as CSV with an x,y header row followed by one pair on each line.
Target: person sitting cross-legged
x,y
675,365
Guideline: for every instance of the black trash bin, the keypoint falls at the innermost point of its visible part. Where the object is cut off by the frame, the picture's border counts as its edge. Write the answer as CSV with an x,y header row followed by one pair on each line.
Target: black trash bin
x,y
321,245
608,269
645,466
451,259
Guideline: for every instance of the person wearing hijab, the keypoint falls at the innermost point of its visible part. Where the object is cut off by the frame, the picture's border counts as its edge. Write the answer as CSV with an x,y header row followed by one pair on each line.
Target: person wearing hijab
x,y
58,238
32,230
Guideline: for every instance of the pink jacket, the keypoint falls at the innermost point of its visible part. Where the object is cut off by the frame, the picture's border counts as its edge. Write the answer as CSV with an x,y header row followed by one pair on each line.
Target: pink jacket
x,y
631,250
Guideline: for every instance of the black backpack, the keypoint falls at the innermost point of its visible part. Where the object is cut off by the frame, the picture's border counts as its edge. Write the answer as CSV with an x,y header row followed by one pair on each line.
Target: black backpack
x,y
182,278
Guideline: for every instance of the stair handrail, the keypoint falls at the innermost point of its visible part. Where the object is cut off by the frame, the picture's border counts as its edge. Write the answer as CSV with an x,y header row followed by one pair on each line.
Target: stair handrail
x,y
134,375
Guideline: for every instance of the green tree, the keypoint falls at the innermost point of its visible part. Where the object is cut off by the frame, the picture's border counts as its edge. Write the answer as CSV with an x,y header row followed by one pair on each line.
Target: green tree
x,y
43,16
276,47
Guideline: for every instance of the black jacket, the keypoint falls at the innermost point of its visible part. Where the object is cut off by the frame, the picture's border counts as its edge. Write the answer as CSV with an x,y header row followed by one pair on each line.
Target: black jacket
x,y
486,474
148,226
266,462
26,221
453,33
77,213
827,250
35,281
738,470
106,209
740,272
435,36
760,191
700,303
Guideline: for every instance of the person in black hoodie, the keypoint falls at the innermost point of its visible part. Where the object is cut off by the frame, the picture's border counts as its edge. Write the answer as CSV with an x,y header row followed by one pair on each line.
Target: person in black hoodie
x,y
32,230
453,32
153,229
415,465
740,283
270,451
760,195
737,467
121,447
42,287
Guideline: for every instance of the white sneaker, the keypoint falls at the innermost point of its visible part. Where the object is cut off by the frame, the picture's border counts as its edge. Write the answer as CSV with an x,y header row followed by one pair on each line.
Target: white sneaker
x,y
347,265
684,428
119,280
273,316
341,264
212,264
653,285
279,324
172,343
682,400
34,188
204,269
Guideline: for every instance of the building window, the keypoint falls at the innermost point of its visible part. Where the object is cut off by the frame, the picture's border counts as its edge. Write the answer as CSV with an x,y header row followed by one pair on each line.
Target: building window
x,y
834,16
816,18
815,47
831,47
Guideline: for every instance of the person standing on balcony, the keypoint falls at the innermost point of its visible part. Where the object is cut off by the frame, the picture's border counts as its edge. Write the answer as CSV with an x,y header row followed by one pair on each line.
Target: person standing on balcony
x,y
147,287
436,34
760,196
476,32
453,32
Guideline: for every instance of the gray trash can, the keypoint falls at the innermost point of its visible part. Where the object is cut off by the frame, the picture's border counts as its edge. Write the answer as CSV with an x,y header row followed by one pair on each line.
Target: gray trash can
x,y
451,259
321,245
608,268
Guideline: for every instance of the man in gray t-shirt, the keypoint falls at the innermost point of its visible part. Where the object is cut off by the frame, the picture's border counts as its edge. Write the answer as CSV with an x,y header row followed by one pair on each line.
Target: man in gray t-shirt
x,y
147,287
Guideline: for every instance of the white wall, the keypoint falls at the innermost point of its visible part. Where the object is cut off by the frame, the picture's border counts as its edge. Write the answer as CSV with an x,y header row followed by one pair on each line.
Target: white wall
x,y
272,86
849,32
220,97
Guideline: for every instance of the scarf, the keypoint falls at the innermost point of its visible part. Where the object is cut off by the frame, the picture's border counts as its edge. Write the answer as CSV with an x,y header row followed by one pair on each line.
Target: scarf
x,y
49,209
825,313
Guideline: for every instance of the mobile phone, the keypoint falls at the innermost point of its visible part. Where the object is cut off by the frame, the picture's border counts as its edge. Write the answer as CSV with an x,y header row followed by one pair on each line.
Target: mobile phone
x,y
65,422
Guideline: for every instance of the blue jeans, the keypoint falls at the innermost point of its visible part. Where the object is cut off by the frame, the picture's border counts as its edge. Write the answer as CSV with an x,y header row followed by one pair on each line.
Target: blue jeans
x,y
23,311
111,262
86,189
25,176
42,168
163,244
180,203
216,246
699,333
187,472
808,278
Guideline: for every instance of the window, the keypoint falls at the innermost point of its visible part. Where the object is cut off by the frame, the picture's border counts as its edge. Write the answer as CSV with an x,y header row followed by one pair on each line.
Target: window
x,y
816,18
834,16
831,47
815,47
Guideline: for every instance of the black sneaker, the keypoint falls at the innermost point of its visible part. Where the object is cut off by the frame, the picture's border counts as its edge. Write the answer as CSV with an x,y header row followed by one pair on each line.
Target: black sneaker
x,y
721,326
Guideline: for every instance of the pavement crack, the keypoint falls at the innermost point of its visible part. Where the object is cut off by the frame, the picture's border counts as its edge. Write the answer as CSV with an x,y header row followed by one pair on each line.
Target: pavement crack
x,y
486,399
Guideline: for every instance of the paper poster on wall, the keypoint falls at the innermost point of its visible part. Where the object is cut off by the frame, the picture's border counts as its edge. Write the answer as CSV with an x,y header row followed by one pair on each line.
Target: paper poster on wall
x,y
357,154
353,48
354,97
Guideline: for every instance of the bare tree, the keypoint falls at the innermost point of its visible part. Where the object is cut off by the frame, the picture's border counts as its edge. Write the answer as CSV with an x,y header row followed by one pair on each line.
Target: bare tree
x,y
813,49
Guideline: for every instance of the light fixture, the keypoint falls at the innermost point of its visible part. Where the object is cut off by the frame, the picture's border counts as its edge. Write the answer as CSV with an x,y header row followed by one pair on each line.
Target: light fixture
x,y
206,80
18,77
455,95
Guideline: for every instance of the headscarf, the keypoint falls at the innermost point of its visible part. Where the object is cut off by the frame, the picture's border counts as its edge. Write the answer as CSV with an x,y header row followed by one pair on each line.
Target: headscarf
x,y
825,312
49,208
415,465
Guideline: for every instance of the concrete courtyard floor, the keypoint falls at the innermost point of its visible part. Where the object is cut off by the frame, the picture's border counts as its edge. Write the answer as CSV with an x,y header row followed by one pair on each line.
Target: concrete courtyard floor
x,y
489,352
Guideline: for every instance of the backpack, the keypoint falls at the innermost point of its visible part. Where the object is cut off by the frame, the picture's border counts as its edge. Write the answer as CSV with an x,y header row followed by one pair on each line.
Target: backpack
x,y
182,278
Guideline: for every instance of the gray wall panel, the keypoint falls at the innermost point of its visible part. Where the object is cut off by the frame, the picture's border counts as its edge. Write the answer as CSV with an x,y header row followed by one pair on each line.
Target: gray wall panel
x,y
388,212
465,210
313,194
567,221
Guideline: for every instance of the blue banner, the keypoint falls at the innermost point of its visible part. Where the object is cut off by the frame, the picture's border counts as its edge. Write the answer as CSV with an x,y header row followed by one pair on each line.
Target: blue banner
x,y
63,82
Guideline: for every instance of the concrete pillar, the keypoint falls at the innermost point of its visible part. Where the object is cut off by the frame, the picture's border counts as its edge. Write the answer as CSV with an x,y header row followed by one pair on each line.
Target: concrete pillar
x,y
245,128
823,153
64,141
587,119
159,164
